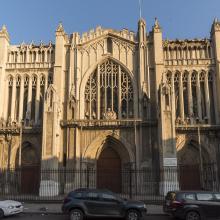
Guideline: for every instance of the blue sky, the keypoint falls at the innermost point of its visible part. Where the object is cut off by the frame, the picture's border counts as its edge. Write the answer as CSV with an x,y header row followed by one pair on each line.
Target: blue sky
x,y
37,20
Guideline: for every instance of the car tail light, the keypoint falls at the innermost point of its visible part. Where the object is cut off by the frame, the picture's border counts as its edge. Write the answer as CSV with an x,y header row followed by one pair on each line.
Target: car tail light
x,y
176,204
66,200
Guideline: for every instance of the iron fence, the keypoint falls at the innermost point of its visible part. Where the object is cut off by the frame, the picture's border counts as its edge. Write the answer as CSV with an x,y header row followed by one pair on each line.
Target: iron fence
x,y
147,184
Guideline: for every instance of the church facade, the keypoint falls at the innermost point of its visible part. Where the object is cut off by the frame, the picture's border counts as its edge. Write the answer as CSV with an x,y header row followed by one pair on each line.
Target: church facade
x,y
111,100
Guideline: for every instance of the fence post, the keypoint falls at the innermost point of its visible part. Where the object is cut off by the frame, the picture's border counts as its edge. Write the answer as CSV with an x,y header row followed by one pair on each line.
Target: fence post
x,y
130,183
87,170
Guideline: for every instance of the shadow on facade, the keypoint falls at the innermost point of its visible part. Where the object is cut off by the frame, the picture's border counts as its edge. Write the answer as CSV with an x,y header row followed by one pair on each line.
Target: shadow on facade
x,y
196,168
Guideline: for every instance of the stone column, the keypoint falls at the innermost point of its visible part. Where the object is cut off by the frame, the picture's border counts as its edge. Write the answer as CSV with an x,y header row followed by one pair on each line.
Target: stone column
x,y
37,101
27,55
198,95
13,99
5,112
207,98
45,86
29,99
181,103
112,94
21,99
36,58
173,95
215,98
45,56
18,57
119,92
190,103
98,93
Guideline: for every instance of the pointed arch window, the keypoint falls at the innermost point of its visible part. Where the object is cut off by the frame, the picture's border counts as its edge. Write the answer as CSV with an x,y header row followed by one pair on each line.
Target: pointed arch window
x,y
185,93
176,89
211,96
26,82
202,90
109,93
17,100
10,84
194,94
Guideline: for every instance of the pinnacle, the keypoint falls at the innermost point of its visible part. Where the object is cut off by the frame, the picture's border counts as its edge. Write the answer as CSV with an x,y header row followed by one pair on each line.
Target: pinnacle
x,y
156,23
60,27
4,27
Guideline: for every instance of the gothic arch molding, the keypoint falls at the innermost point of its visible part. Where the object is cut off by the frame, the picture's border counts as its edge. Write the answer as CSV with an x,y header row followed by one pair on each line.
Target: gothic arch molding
x,y
15,152
193,142
91,70
93,150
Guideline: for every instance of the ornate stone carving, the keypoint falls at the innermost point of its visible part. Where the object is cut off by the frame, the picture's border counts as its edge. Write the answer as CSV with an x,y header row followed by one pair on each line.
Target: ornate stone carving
x,y
72,96
156,26
60,28
110,115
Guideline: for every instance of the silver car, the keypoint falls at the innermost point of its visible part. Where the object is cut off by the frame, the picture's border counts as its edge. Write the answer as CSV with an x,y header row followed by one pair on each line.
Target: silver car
x,y
10,207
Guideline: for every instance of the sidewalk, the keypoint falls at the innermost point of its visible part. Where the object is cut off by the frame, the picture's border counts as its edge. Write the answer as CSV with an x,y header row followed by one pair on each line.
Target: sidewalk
x,y
55,208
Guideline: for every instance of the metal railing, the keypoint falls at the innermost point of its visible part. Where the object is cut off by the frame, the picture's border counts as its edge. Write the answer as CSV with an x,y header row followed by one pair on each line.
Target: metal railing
x,y
52,185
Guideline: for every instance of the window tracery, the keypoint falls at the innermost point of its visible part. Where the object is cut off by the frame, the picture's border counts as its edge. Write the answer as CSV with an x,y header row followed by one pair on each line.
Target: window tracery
x,y
109,93
198,96
185,93
176,89
211,95
194,94
203,98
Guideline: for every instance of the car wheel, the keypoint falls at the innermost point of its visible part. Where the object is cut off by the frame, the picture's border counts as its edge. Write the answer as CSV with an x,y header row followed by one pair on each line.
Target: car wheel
x,y
132,215
1,213
76,214
192,215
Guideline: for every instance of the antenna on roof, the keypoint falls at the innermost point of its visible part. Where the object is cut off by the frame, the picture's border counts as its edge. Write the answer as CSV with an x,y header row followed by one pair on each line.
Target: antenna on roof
x,y
140,8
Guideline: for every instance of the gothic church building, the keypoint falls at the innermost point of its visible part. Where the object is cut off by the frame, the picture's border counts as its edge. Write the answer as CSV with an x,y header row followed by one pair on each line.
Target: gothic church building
x,y
111,100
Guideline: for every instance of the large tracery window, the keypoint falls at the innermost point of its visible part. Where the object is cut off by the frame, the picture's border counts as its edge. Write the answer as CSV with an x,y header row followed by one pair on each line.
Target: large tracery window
x,y
109,93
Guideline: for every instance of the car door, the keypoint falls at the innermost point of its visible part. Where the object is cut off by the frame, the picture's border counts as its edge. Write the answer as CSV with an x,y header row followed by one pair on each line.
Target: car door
x,y
217,204
92,203
111,205
207,204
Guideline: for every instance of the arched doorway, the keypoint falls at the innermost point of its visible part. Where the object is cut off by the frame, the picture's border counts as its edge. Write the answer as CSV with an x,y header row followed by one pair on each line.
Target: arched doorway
x,y
109,170
30,169
189,162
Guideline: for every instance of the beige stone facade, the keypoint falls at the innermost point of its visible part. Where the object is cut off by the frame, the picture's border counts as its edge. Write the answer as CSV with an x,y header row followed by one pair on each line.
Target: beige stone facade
x,y
155,103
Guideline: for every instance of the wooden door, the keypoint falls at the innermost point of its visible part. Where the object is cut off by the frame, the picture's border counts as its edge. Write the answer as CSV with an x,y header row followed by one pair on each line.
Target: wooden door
x,y
189,177
109,170
30,179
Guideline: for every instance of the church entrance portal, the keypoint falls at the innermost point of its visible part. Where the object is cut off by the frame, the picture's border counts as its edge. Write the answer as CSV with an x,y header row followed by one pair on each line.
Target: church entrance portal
x,y
30,169
109,170
189,177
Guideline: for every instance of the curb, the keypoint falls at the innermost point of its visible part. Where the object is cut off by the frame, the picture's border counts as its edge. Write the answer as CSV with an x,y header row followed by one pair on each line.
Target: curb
x,y
60,213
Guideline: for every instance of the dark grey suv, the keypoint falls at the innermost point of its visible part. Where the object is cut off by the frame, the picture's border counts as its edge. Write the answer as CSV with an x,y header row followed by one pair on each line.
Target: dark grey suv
x,y
82,203
193,205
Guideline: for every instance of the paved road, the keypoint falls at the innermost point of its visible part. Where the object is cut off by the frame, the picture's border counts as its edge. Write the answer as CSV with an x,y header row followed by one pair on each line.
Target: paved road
x,y
61,217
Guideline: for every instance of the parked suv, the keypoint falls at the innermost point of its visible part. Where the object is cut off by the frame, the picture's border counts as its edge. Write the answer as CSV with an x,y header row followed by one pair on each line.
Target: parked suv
x,y
101,203
193,205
